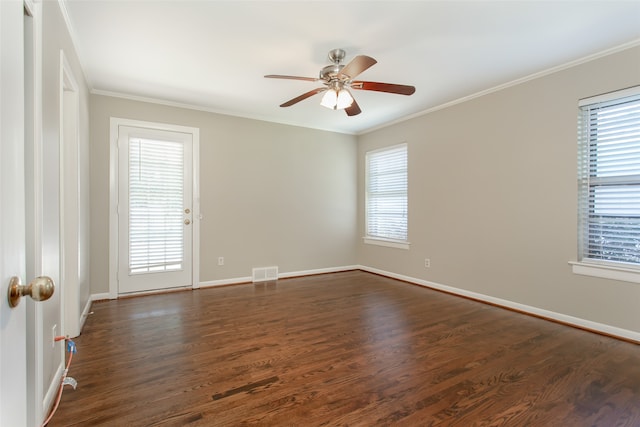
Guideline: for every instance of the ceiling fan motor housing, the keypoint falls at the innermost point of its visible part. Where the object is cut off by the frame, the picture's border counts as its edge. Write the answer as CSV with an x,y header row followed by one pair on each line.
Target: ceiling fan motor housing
x,y
330,72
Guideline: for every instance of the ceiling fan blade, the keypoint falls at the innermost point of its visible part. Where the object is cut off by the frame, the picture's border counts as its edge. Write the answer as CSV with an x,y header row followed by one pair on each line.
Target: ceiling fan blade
x,y
278,76
384,87
303,97
353,109
357,66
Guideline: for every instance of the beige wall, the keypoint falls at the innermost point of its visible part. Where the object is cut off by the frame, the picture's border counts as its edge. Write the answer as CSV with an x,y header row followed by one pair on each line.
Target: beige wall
x,y
270,194
492,195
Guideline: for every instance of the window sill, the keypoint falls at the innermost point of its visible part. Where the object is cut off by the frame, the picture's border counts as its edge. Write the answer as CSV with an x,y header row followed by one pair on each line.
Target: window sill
x,y
398,244
625,274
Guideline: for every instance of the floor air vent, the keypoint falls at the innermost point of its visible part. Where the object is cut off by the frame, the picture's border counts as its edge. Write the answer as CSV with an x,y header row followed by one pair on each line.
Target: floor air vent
x,y
264,274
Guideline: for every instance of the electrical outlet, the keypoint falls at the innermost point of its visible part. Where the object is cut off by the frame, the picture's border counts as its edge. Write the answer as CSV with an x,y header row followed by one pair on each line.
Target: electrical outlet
x,y
221,260
53,335
427,263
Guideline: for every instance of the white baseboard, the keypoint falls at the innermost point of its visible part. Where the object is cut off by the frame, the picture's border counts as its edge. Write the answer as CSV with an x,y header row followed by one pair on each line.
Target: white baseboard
x,y
52,390
85,312
238,280
225,282
318,271
248,279
101,296
535,311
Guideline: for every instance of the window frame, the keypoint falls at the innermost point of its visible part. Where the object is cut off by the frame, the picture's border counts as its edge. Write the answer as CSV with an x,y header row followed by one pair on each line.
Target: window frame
x,y
381,240
590,266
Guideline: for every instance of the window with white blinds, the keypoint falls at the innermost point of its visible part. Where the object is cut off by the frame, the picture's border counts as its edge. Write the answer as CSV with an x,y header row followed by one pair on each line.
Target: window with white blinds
x,y
609,179
156,175
386,194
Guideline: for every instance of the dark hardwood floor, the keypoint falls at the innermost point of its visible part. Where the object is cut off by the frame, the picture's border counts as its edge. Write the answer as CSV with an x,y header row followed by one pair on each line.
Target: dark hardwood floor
x,y
348,348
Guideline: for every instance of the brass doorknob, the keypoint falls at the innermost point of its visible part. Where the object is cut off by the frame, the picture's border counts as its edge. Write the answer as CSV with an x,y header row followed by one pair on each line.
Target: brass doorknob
x,y
40,289
187,221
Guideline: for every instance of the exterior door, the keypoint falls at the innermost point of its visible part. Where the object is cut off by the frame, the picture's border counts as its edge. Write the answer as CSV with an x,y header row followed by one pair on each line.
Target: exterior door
x,y
155,212
13,330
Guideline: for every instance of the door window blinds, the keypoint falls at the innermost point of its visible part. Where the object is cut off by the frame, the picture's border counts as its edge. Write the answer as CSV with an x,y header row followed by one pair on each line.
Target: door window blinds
x,y
609,179
386,193
155,205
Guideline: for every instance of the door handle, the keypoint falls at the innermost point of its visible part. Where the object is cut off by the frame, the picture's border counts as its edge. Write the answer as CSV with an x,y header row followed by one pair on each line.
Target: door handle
x,y
40,289
187,221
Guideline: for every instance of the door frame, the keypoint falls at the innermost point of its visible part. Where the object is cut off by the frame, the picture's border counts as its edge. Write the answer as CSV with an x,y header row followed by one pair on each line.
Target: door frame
x,y
115,122
69,175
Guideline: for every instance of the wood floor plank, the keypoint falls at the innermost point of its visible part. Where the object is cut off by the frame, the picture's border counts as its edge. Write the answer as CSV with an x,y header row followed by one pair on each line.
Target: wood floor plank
x,y
347,348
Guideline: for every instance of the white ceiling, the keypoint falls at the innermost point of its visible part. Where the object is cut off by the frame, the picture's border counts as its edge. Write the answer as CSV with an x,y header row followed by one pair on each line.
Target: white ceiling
x,y
212,55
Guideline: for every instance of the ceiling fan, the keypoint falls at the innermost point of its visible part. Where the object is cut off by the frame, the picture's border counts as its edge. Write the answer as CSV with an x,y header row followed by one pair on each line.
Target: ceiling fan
x,y
338,79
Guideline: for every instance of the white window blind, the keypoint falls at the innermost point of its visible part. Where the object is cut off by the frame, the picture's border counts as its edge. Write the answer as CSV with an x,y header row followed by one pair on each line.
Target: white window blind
x,y
155,205
386,193
609,180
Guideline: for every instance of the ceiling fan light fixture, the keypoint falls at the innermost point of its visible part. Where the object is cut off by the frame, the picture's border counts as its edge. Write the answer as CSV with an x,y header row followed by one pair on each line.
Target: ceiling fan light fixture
x,y
344,99
330,99
337,99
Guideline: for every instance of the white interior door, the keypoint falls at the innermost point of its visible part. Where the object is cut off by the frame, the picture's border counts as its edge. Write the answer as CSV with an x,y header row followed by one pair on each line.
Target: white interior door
x,y
13,377
155,209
